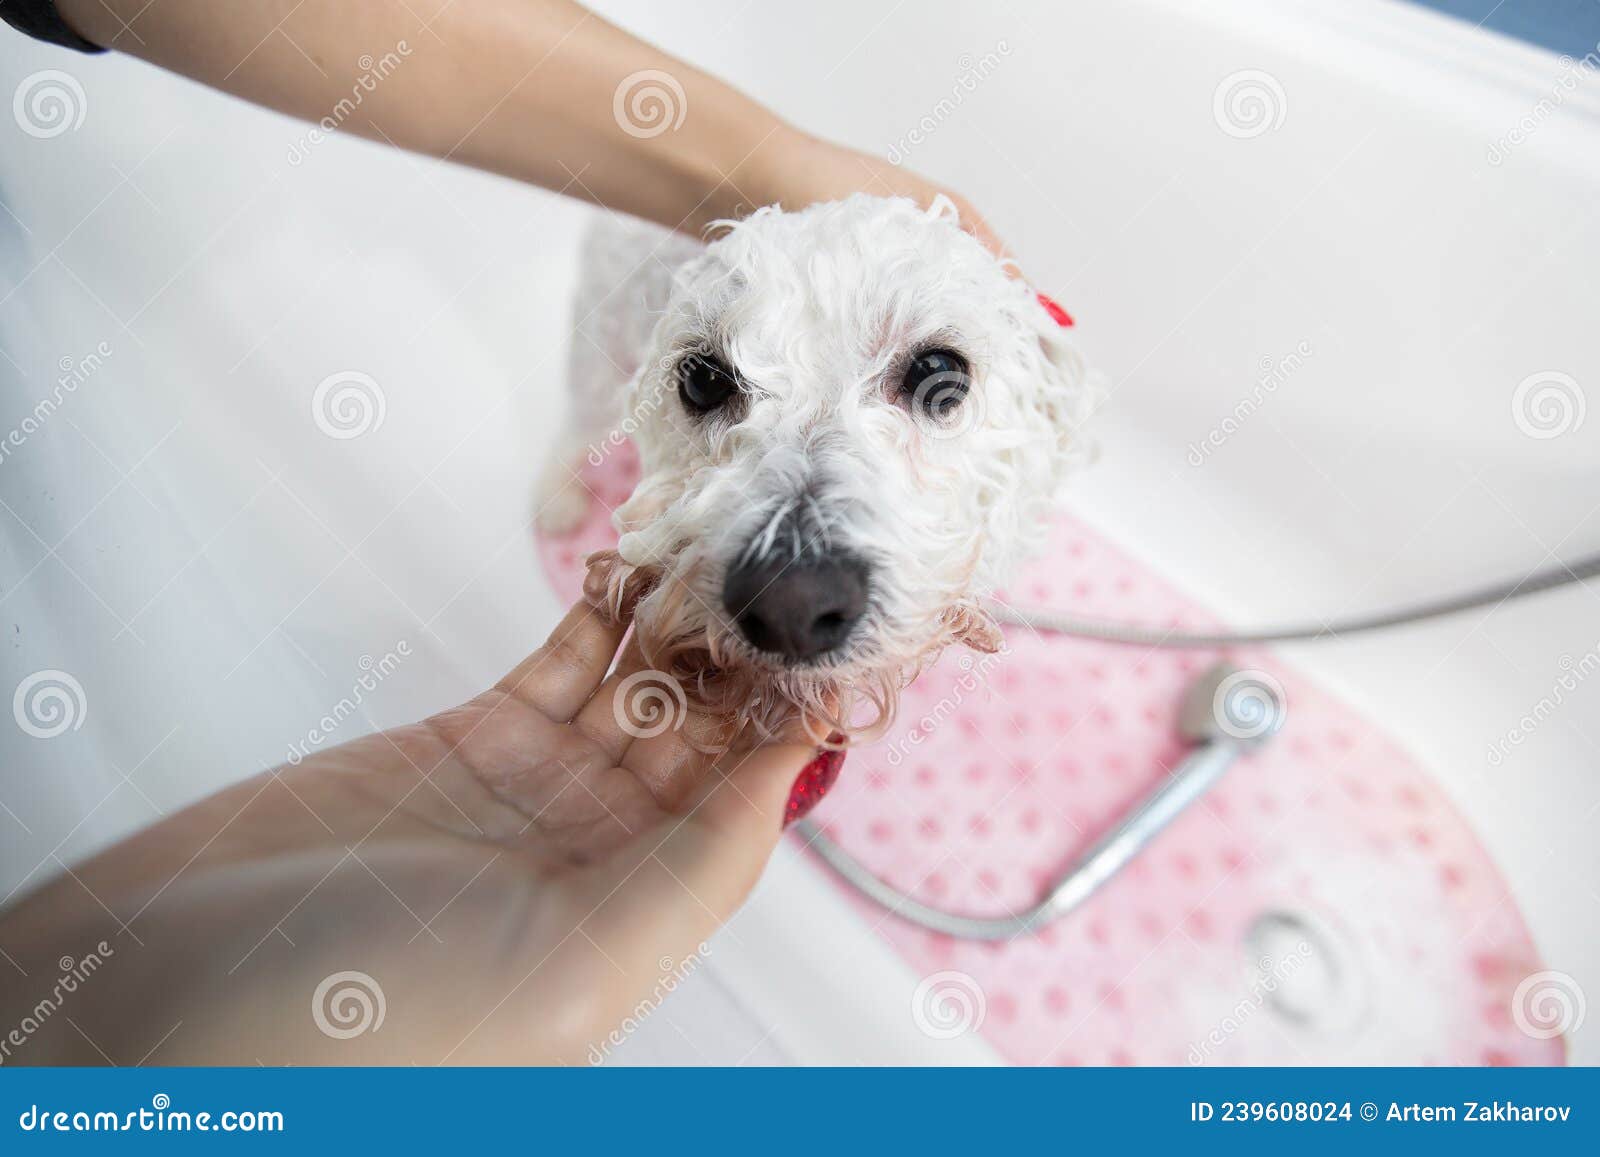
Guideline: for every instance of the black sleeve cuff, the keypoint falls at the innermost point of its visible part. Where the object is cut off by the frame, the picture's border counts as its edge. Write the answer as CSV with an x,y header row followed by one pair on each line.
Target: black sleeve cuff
x,y
40,20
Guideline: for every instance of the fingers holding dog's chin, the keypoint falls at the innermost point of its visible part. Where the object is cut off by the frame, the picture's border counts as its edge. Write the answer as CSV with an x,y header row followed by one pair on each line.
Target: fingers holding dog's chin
x,y
745,798
638,703
676,761
673,762
623,704
561,676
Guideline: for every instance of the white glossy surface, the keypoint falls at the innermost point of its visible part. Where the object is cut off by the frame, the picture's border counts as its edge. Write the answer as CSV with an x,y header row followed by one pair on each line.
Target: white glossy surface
x,y
218,598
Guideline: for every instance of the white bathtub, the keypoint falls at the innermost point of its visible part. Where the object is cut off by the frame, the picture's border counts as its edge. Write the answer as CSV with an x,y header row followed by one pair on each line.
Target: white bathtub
x,y
1418,224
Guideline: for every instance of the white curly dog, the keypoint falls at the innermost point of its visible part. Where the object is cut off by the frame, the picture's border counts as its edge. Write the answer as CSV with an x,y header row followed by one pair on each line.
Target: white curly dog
x,y
851,422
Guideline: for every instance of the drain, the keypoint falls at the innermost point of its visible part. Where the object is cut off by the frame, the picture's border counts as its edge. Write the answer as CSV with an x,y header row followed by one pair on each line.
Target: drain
x,y
1307,974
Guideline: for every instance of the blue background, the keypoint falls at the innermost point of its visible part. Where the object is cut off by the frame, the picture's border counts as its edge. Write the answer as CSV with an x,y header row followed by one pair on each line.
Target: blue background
x,y
818,1111
1571,27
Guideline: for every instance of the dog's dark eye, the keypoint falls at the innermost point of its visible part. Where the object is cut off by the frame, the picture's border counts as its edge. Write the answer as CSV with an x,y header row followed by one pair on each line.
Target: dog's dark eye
x,y
936,383
704,383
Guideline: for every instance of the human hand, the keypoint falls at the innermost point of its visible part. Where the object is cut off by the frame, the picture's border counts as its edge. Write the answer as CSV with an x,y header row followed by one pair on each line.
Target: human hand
x,y
795,170
513,875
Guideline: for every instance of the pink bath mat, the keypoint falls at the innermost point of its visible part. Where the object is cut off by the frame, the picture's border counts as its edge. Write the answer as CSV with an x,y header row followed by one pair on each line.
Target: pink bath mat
x,y
1323,904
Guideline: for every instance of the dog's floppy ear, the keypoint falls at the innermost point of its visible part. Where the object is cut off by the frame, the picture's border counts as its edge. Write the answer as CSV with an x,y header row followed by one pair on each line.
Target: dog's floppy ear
x,y
1065,390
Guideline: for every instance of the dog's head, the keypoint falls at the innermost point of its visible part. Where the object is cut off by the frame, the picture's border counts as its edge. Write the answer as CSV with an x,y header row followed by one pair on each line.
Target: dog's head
x,y
850,421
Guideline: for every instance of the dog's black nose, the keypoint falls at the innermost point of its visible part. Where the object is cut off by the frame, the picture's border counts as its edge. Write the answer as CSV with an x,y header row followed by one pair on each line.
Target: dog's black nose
x,y
798,608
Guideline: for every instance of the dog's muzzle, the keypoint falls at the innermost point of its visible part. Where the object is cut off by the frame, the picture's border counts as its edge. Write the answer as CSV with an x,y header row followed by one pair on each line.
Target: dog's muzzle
x,y
797,608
